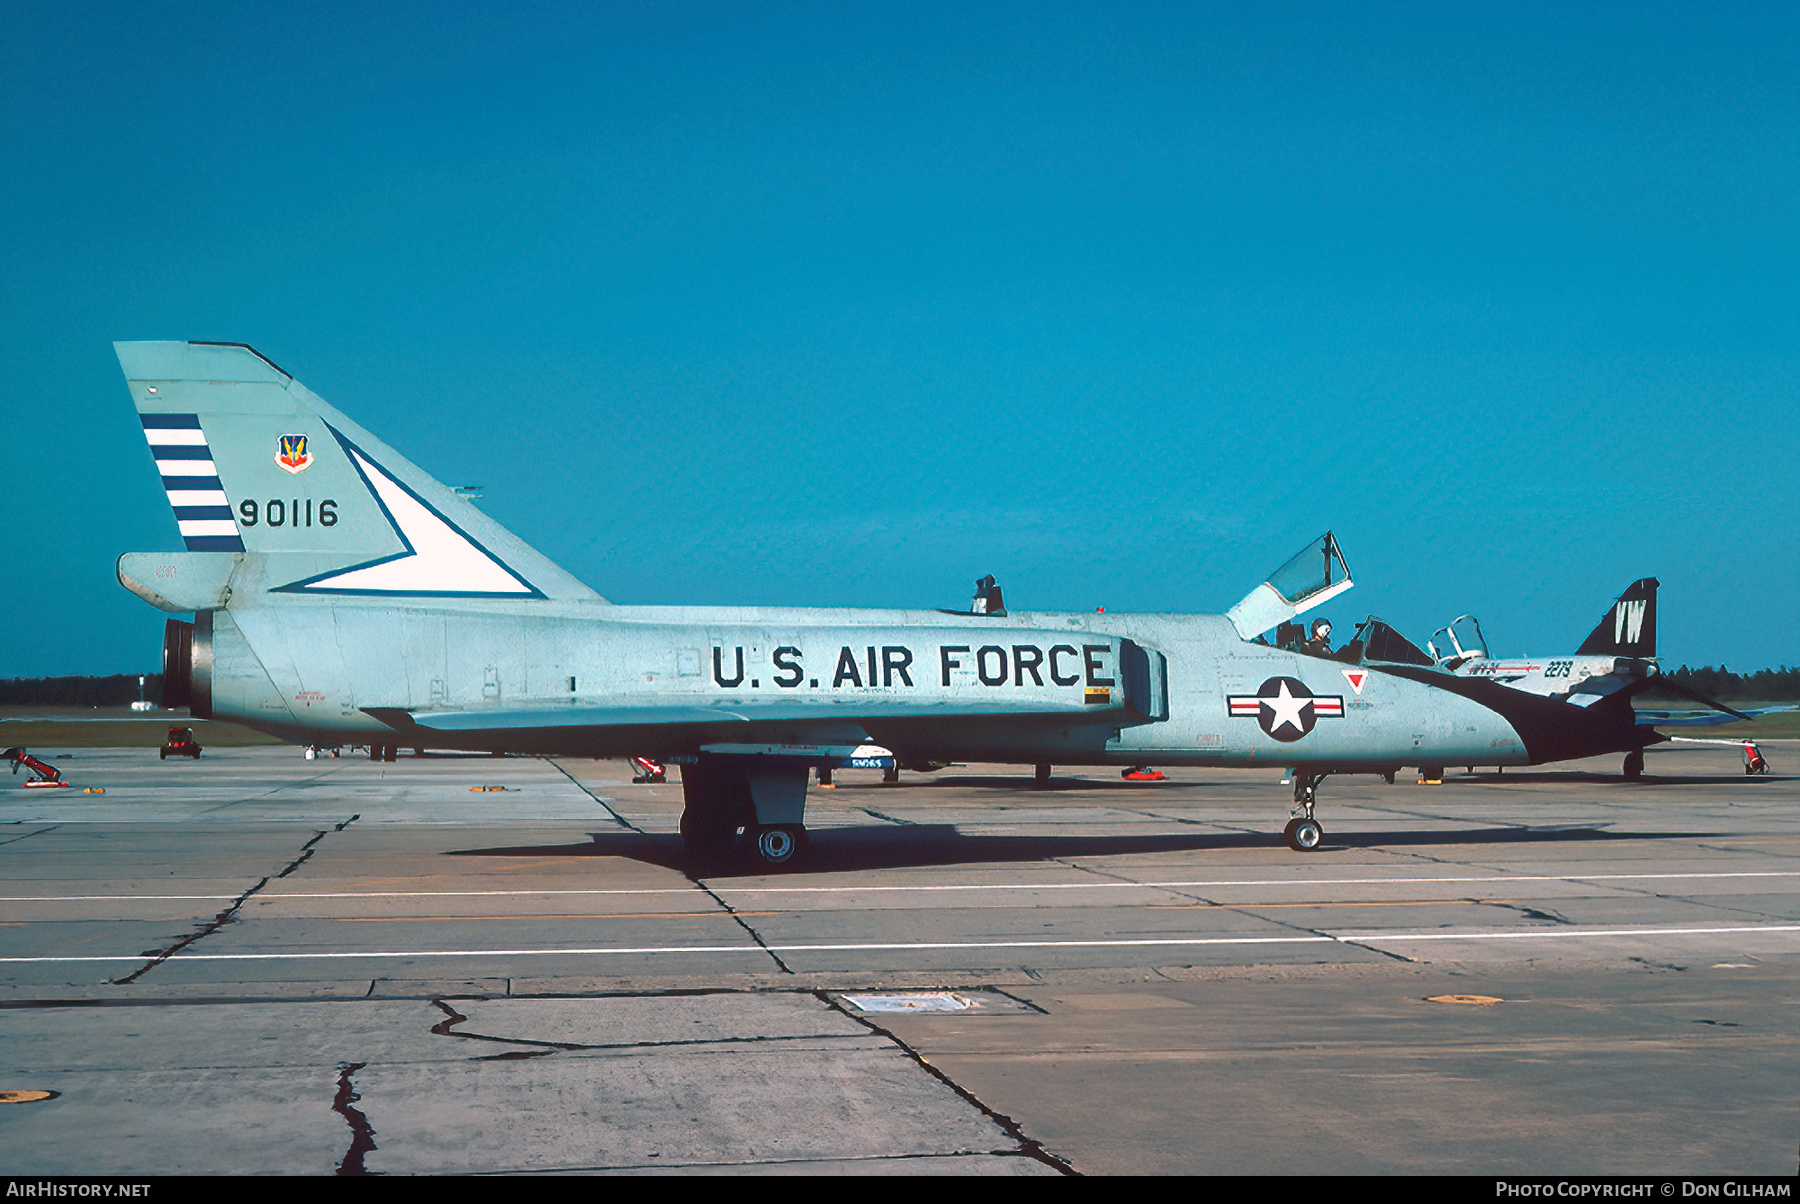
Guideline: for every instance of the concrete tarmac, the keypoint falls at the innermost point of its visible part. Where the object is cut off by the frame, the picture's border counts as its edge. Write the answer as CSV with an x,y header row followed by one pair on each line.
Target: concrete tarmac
x,y
257,963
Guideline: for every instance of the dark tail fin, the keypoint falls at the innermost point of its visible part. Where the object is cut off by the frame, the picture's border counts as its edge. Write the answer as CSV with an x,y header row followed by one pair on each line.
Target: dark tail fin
x,y
1629,627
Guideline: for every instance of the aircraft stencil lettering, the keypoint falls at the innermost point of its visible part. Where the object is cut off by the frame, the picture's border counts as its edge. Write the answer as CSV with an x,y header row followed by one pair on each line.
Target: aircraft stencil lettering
x,y
379,606
995,666
1628,621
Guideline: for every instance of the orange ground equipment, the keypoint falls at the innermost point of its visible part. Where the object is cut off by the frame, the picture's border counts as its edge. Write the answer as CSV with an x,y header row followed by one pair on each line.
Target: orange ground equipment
x,y
43,775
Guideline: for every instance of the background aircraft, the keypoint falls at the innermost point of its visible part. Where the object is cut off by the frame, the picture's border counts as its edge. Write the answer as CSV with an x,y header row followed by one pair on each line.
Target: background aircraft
x,y
1619,651
1618,658
341,594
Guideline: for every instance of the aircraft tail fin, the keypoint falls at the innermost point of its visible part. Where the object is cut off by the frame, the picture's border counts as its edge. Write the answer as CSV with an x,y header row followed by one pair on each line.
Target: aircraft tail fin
x,y
254,461
1629,626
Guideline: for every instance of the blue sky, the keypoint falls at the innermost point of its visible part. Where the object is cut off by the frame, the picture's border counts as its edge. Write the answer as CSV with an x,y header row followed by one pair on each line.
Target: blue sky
x,y
851,304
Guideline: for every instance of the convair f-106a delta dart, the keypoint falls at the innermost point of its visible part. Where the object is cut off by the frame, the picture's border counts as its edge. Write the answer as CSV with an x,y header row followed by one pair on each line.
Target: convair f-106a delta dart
x,y
340,594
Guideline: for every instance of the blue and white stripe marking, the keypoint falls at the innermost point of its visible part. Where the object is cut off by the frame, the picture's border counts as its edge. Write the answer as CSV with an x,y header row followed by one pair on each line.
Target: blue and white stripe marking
x,y
191,480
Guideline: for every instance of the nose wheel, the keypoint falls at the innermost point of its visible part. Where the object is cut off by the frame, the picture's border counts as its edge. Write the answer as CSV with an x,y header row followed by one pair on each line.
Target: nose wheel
x,y
1304,833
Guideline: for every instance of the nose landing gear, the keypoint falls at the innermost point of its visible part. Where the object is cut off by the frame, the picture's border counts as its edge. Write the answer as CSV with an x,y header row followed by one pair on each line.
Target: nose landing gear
x,y
1304,833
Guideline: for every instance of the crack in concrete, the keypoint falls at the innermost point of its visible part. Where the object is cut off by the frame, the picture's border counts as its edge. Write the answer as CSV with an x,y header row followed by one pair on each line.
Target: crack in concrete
x,y
1531,913
1029,1147
1247,909
821,1160
444,1027
604,805
754,934
1648,964
515,1055
1387,953
1221,826
159,956
1173,892
1171,819
1018,999
362,1135
271,792
29,835
452,1018
892,819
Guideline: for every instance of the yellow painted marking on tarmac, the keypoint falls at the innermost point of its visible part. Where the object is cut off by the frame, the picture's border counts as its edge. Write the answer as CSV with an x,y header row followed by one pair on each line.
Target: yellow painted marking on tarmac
x,y
1480,1001
868,888
158,919
1330,903
626,915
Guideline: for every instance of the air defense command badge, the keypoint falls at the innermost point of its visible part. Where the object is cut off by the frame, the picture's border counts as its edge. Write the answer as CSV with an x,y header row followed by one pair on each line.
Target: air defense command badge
x,y
1285,708
291,454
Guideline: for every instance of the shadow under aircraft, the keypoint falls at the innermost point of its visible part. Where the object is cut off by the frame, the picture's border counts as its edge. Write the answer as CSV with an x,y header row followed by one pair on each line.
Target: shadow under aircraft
x,y
841,850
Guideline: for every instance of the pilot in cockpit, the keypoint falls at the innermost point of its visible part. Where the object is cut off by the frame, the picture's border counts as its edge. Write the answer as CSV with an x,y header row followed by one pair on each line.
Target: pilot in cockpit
x,y
1320,643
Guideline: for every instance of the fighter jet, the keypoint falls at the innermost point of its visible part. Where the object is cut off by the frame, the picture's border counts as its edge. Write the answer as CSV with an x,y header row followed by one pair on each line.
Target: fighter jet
x,y
1621,649
1617,660
342,595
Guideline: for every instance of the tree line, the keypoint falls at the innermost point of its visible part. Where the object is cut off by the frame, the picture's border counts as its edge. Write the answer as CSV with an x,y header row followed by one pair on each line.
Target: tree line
x,y
115,690
1764,685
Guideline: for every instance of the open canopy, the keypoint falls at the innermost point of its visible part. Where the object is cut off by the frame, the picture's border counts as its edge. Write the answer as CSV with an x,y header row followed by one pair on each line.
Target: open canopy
x,y
1316,574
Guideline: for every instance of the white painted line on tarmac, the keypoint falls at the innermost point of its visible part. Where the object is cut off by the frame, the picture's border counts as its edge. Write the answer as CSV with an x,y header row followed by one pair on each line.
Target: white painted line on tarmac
x,y
891,947
660,949
92,898
1554,933
1488,880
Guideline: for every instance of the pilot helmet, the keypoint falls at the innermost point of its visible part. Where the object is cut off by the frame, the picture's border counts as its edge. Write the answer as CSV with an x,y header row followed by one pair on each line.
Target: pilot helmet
x,y
1321,629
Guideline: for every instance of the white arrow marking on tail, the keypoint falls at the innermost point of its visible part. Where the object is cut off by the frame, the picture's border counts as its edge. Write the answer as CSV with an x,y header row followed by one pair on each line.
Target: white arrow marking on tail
x,y
443,559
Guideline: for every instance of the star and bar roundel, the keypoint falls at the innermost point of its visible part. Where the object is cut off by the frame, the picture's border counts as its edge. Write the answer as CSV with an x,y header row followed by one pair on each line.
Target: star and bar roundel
x,y
1285,708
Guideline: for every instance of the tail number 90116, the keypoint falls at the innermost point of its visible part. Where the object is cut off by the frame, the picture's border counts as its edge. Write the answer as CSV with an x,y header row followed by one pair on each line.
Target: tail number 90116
x,y
288,512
